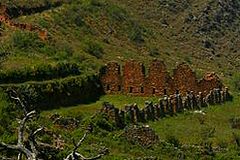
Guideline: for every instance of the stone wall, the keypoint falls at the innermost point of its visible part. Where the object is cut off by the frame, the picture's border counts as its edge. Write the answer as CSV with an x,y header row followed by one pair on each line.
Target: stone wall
x,y
5,19
134,81
111,76
185,79
133,78
167,106
158,79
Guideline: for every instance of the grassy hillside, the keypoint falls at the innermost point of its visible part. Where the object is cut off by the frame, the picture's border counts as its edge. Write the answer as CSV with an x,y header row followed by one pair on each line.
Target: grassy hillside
x,y
180,135
83,35
203,34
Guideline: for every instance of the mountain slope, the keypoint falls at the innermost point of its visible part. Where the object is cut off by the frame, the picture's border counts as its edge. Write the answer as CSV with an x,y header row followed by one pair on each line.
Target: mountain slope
x,y
204,34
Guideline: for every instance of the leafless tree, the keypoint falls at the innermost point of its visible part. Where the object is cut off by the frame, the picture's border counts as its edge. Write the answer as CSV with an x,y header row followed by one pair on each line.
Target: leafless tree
x,y
31,152
74,155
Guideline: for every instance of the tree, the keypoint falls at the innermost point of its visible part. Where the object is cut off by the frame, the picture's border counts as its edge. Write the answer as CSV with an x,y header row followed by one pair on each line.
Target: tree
x,y
29,147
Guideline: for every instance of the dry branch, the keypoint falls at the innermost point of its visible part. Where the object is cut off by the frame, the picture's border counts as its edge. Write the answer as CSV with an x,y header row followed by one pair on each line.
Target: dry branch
x,y
74,155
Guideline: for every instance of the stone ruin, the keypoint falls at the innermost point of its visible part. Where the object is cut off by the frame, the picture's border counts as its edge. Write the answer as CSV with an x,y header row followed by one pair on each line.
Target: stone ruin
x,y
5,19
167,106
133,80
140,134
179,92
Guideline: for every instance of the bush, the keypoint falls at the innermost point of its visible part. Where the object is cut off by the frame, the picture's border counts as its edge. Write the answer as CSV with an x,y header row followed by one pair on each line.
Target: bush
x,y
117,13
153,52
235,122
173,140
136,33
64,92
94,48
207,132
40,73
24,40
236,82
96,3
7,113
101,121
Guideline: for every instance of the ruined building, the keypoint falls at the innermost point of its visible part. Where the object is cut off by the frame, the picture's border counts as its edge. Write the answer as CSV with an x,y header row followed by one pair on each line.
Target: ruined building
x,y
132,79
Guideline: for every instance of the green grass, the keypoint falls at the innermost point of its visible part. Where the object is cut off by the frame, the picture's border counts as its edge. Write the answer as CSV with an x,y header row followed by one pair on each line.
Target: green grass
x,y
188,129
79,33
89,109
185,127
136,33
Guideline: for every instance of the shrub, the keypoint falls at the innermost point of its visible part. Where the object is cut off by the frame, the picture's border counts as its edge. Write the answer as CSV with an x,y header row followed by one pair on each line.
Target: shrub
x,y
136,33
173,140
207,132
102,122
96,3
153,52
40,73
67,91
236,82
117,13
235,122
236,138
24,40
94,48
6,113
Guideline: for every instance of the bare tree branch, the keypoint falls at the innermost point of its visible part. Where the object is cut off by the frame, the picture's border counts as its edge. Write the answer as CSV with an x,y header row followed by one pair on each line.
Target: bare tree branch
x,y
22,126
20,156
74,155
33,153
17,98
20,146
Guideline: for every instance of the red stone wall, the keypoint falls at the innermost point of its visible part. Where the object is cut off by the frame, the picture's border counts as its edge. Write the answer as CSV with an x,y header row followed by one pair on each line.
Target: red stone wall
x,y
133,77
111,78
5,19
185,79
157,79
209,82
134,81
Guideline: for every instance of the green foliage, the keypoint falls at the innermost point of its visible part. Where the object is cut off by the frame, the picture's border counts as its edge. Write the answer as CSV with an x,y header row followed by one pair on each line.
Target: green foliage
x,y
6,112
67,91
188,60
96,2
43,23
40,73
117,13
173,140
153,52
101,121
136,33
236,82
235,122
26,41
94,48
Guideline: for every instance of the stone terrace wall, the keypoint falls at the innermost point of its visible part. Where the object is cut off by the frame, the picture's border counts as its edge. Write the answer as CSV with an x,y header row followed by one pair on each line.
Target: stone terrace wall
x,y
5,19
133,80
